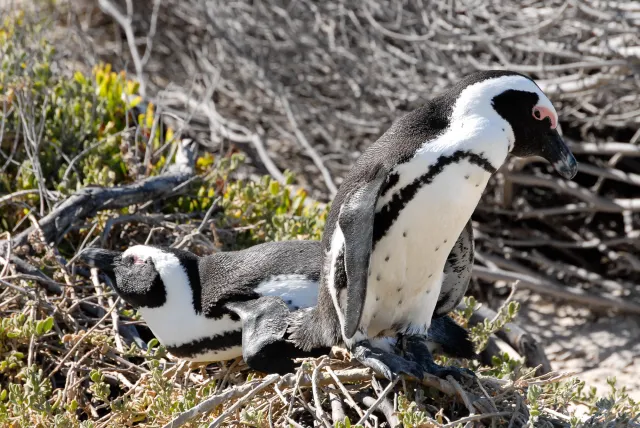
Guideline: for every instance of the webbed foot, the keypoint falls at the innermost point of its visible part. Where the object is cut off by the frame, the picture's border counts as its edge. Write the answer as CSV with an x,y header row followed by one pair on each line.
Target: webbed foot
x,y
416,350
385,363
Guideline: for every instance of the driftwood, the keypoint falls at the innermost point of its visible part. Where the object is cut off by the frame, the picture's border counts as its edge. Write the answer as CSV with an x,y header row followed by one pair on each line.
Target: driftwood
x,y
90,200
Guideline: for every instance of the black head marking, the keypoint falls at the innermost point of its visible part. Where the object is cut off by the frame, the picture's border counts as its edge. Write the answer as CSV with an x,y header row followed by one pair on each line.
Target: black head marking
x,y
139,284
534,130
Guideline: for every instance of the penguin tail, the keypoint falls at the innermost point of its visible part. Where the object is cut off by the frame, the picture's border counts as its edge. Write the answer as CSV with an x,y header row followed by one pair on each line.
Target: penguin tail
x,y
452,339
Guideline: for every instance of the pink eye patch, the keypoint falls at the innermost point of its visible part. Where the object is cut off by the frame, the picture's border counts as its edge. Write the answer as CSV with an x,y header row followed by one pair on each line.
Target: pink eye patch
x,y
137,260
541,113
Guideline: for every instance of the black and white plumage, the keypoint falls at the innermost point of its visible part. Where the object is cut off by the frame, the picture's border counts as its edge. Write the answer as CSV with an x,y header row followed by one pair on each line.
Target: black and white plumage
x,y
406,204
230,304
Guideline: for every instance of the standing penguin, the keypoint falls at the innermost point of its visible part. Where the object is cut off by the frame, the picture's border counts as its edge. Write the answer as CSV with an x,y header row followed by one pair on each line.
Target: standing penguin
x,y
234,303
405,203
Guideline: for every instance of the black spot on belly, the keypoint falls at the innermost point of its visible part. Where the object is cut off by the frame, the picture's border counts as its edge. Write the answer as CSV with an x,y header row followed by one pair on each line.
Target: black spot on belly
x,y
386,259
437,248
400,302
430,275
377,298
404,234
399,289
378,277
466,177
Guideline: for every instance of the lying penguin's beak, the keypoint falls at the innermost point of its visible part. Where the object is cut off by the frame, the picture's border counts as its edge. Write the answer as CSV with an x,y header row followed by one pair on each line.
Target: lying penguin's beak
x,y
97,257
555,150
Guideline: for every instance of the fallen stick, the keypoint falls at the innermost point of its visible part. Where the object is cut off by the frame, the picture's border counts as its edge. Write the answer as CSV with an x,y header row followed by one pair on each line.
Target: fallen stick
x,y
541,286
90,200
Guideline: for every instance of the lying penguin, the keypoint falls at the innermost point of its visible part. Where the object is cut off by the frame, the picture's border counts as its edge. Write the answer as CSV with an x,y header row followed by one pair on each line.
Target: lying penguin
x,y
237,303
403,206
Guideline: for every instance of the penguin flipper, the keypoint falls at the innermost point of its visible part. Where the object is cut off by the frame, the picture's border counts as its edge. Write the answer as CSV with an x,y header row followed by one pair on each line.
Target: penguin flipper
x,y
457,273
356,223
264,325
265,344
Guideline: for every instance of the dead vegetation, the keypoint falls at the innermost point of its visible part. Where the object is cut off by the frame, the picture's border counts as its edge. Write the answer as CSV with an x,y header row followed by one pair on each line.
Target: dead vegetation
x,y
300,86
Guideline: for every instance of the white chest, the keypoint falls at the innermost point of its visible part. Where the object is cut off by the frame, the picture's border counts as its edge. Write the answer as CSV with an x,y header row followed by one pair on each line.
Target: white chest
x,y
407,263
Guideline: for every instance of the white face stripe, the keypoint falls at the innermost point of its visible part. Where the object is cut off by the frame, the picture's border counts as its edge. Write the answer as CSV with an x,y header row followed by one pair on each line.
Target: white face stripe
x,y
298,289
176,322
476,99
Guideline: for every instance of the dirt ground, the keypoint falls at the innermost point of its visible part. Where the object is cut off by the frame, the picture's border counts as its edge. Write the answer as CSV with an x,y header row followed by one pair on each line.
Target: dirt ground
x,y
593,346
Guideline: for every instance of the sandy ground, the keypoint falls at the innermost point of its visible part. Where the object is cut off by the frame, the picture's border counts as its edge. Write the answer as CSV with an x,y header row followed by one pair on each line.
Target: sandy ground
x,y
593,346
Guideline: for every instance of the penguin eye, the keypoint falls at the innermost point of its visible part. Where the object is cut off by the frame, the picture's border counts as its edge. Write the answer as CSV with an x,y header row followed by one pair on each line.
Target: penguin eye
x,y
127,261
138,261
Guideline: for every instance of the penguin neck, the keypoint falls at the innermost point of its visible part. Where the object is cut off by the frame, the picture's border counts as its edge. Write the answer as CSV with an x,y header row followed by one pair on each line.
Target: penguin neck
x,y
171,319
488,136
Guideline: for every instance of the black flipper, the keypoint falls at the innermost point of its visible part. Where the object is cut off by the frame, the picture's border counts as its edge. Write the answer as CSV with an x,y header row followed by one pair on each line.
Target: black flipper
x,y
385,363
356,222
452,338
265,346
416,349
457,273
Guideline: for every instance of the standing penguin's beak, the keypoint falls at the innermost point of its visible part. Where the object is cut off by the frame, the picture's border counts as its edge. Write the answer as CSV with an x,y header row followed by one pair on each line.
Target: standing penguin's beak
x,y
555,150
99,258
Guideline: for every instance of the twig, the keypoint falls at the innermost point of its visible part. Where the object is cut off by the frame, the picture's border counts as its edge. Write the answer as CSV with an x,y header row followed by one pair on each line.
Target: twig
x,y
382,396
476,418
246,391
84,336
346,393
320,414
571,294
125,23
310,150
264,384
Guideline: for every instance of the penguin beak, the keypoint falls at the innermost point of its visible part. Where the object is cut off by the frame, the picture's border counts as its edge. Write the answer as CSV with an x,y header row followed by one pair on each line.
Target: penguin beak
x,y
99,258
555,150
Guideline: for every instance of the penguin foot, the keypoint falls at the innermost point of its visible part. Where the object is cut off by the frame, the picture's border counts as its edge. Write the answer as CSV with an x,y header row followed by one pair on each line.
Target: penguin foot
x,y
416,350
385,363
